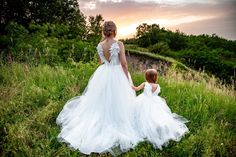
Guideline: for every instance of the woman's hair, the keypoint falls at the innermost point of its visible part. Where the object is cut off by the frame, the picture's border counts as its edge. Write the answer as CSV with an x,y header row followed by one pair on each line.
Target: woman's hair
x,y
151,75
108,28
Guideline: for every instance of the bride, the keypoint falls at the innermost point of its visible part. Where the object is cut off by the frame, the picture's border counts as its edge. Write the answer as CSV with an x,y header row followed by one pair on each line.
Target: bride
x,y
100,119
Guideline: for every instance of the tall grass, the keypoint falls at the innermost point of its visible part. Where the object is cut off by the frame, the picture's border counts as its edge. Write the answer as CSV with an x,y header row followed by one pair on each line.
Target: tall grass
x,y
31,98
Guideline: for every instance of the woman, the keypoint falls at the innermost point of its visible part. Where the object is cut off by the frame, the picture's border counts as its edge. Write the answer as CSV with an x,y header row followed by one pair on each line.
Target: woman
x,y
99,120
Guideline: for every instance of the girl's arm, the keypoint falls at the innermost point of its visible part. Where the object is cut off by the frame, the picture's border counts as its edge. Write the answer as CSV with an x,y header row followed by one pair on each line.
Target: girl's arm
x,y
123,59
141,86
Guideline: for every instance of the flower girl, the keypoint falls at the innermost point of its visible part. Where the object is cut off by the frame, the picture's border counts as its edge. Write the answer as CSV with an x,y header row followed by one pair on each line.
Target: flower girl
x,y
154,120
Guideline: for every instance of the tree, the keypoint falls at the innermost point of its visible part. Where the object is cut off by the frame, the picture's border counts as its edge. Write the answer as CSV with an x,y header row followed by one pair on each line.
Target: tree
x,y
148,34
177,40
40,11
94,28
142,30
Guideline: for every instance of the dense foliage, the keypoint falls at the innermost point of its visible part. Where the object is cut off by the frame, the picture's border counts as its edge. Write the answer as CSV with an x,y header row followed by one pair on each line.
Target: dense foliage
x,y
48,43
40,31
41,11
211,53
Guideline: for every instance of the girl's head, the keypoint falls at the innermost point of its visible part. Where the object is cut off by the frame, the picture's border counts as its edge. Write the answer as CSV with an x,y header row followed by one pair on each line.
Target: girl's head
x,y
109,29
151,75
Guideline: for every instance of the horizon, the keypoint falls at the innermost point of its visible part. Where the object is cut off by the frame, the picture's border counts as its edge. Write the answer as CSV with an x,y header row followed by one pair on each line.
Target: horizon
x,y
195,17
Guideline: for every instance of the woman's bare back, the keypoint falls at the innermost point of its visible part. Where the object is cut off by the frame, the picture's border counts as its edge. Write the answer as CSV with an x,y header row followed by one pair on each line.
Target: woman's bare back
x,y
106,45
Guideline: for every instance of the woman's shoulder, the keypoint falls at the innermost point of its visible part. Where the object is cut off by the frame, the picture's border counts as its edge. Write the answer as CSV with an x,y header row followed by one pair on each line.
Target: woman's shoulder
x,y
120,43
103,43
99,48
100,44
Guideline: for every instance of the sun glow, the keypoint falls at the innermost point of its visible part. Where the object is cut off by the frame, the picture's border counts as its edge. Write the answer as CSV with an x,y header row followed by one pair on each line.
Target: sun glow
x,y
128,30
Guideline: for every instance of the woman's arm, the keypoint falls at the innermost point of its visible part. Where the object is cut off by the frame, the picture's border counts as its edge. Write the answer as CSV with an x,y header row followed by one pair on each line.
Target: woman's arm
x,y
141,86
123,59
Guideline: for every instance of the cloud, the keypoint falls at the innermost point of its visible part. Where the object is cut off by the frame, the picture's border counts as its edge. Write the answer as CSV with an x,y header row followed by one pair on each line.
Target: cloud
x,y
222,26
162,2
169,13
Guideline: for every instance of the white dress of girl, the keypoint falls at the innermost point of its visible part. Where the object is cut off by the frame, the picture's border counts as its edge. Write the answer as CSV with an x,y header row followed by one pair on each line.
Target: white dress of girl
x,y
154,120
100,119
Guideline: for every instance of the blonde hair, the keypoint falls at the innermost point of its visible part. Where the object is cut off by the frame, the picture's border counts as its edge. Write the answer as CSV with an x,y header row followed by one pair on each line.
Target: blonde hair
x,y
108,28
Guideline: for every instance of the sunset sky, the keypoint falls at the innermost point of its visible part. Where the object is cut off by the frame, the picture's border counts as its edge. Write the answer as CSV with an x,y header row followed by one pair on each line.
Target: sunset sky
x,y
189,16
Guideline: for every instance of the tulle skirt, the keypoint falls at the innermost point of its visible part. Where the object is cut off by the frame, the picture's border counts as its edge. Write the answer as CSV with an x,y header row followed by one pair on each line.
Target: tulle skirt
x,y
155,122
101,119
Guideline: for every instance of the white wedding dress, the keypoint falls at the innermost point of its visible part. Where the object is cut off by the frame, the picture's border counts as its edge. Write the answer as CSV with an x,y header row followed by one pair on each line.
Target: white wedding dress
x,y
100,120
154,120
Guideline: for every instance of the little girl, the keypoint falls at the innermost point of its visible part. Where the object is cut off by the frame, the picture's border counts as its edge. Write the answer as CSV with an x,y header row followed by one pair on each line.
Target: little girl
x,y
153,118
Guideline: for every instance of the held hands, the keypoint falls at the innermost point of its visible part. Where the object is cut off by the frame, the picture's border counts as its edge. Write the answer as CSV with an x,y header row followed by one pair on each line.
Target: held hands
x,y
134,88
141,86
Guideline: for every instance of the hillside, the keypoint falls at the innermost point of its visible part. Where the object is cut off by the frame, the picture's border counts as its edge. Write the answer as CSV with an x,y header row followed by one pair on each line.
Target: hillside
x,y
209,53
143,55
31,98
48,53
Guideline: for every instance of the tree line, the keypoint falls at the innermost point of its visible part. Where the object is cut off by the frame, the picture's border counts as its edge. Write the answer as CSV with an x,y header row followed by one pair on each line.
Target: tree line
x,y
211,53
42,31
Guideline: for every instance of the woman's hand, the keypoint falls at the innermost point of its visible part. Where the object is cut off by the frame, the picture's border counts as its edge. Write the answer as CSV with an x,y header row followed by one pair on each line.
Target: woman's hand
x,y
134,88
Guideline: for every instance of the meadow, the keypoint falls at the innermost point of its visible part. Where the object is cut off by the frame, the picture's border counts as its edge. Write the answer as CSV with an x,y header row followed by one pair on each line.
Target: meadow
x,y
31,97
48,53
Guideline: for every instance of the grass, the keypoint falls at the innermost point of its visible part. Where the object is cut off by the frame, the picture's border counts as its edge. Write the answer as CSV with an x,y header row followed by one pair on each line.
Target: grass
x,y
31,98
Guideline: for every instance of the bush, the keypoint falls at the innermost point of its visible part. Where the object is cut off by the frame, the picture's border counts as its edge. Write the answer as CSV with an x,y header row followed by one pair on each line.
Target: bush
x,y
47,43
160,48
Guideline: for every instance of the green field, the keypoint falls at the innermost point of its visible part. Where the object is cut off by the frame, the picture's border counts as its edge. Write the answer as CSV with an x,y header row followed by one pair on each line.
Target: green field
x,y
32,96
48,53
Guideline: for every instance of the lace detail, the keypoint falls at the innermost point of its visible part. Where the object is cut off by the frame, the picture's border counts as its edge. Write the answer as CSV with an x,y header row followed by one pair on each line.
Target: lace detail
x,y
100,52
99,49
114,50
114,53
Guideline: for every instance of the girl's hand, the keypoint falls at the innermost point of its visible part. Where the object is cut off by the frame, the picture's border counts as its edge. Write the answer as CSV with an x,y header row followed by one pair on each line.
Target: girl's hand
x,y
141,86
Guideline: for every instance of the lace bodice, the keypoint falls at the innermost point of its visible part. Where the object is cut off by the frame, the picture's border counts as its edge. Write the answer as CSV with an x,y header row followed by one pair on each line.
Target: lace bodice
x,y
148,89
114,54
